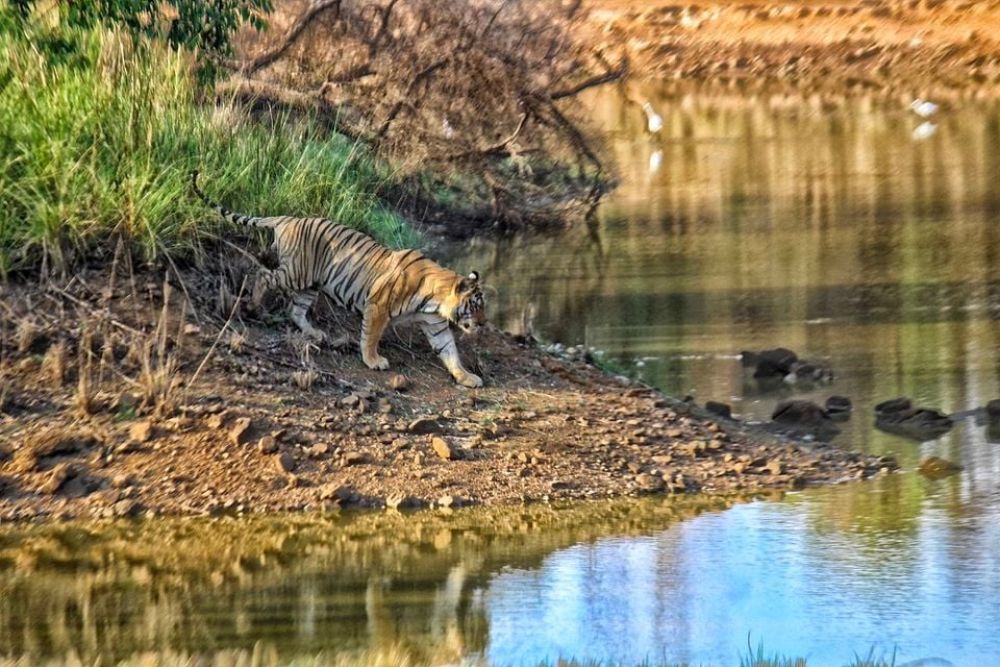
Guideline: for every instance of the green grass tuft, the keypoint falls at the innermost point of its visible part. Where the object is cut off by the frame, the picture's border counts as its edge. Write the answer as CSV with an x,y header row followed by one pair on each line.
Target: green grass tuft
x,y
103,146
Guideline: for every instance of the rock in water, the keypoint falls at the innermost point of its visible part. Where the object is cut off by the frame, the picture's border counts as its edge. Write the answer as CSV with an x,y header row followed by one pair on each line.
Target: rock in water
x,y
804,418
800,413
839,407
399,501
893,405
934,467
899,417
776,363
838,404
719,409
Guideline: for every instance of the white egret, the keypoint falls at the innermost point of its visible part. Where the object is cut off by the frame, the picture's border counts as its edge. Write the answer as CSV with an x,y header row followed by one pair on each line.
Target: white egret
x,y
655,160
923,131
923,108
654,123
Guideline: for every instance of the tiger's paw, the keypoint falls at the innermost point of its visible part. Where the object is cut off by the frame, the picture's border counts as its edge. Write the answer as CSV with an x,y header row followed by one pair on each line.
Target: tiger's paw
x,y
377,363
471,381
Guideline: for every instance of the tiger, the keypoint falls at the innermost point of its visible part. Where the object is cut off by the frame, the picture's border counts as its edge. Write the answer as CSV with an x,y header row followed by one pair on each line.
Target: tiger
x,y
399,286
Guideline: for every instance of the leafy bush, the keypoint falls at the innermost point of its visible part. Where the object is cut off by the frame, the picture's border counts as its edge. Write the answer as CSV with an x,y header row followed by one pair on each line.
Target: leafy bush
x,y
103,146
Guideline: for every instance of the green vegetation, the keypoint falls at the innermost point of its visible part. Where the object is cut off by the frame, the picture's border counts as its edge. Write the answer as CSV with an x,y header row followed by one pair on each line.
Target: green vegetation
x,y
191,24
101,145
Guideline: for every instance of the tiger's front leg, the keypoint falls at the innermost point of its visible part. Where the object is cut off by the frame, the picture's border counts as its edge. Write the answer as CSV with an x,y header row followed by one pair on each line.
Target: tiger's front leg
x,y
443,342
373,325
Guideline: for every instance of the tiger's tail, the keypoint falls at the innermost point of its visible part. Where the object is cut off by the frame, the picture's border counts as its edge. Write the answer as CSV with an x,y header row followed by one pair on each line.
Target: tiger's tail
x,y
246,220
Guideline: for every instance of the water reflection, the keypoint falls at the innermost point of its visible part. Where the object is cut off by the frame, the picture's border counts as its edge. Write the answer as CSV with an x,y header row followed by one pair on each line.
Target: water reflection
x,y
369,586
822,574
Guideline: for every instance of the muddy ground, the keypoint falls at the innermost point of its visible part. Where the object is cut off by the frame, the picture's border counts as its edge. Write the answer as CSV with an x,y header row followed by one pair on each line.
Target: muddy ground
x,y
114,404
942,49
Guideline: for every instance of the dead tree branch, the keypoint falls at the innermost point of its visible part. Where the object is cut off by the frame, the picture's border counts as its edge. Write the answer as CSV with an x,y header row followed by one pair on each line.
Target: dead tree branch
x,y
316,8
592,82
470,87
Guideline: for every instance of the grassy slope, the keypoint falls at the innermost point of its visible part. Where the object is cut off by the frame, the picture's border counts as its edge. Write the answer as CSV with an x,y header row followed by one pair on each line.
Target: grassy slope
x,y
104,144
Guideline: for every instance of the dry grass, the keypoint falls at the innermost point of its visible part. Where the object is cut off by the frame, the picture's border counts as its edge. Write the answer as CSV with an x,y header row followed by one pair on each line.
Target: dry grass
x,y
85,397
27,334
159,378
6,391
237,342
54,363
305,379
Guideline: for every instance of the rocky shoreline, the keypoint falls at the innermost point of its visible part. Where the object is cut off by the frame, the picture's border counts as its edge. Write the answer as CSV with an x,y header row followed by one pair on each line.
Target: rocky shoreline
x,y
257,424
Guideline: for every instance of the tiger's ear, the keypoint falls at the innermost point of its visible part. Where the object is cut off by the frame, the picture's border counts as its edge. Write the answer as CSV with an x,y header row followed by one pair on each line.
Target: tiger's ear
x,y
468,283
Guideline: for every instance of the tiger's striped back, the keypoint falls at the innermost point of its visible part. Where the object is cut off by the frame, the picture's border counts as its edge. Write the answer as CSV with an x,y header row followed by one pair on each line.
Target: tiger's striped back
x,y
340,261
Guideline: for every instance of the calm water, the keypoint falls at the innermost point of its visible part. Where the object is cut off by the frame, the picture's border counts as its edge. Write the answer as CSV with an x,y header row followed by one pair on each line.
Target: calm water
x,y
758,224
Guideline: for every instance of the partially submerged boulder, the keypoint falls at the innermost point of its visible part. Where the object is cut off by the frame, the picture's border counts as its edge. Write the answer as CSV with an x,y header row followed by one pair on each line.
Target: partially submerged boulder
x,y
898,417
799,413
776,363
719,409
780,364
806,417
839,407
934,467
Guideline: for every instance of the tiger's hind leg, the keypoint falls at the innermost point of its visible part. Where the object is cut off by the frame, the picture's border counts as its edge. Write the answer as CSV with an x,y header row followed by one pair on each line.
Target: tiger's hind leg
x,y
302,301
443,342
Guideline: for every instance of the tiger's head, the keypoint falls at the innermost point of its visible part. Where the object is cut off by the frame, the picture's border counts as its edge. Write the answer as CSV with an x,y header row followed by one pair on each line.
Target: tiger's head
x,y
465,305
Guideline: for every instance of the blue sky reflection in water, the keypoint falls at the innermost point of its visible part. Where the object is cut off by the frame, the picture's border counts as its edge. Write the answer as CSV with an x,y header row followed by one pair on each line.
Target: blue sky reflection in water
x,y
800,575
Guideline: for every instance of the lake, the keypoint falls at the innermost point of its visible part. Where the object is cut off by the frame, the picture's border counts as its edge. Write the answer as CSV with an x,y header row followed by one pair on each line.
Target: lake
x,y
749,223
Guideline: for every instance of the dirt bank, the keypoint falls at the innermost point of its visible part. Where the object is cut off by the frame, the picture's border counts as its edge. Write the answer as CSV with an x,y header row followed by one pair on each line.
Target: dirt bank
x,y
905,48
114,404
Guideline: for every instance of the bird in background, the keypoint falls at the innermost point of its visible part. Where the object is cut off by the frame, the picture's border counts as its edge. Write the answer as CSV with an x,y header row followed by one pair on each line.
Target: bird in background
x,y
923,131
655,160
923,108
654,122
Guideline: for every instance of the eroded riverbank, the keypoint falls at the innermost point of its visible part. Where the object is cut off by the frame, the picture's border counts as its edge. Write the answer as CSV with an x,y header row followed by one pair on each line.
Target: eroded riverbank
x,y
119,405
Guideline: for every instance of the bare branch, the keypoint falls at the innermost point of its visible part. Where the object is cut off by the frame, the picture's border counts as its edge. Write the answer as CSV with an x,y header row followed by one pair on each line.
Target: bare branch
x,y
498,149
579,141
383,28
469,86
592,82
315,8
421,76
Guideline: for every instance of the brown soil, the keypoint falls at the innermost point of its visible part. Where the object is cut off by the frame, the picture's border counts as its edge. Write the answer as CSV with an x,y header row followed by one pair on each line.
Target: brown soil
x,y
269,424
905,48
